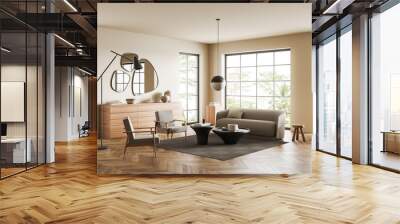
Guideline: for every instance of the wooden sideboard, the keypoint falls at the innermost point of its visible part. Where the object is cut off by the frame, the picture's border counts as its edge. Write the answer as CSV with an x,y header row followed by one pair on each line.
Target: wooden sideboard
x,y
391,142
141,114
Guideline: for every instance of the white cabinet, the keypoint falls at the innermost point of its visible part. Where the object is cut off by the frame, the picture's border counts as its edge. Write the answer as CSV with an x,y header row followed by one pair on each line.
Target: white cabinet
x,y
17,145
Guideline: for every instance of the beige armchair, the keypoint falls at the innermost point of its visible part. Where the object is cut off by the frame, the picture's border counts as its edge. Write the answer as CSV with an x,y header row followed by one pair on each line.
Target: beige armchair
x,y
147,136
165,123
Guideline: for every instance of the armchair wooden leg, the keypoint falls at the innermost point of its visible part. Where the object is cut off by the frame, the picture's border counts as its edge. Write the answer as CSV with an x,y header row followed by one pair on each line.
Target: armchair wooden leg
x,y
124,152
126,146
154,148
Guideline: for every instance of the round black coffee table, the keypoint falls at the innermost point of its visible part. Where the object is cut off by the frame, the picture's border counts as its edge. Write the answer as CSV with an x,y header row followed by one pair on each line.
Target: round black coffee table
x,y
230,137
202,132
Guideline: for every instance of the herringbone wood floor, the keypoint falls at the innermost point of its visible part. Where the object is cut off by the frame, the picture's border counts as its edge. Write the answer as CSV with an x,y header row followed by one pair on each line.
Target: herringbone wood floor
x,y
69,191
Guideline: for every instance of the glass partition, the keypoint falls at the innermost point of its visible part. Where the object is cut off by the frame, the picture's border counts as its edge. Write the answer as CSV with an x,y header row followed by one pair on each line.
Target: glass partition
x,y
31,98
13,86
22,77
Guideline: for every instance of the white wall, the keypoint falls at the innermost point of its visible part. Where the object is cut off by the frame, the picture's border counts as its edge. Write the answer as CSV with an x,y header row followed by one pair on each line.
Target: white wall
x,y
162,52
13,73
67,81
33,127
80,83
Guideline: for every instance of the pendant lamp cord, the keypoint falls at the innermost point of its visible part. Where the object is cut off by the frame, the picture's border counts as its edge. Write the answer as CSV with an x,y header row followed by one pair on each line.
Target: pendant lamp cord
x,y
218,46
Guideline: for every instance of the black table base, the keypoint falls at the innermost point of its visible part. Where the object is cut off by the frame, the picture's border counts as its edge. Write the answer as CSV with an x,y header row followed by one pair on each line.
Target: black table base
x,y
230,137
202,133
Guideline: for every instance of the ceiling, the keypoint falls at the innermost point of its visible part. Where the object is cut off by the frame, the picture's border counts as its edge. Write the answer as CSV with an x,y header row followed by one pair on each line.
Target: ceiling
x,y
196,22
192,20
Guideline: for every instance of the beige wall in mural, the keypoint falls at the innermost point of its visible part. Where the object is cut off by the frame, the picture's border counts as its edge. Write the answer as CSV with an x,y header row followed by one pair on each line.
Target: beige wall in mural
x,y
162,52
301,80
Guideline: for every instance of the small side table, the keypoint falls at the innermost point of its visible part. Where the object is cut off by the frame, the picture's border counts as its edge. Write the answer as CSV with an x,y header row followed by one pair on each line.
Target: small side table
x,y
202,132
298,129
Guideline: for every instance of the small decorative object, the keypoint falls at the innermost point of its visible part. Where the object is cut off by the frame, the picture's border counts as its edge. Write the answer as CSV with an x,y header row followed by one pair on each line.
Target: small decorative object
x,y
218,82
156,97
164,99
233,127
130,101
168,94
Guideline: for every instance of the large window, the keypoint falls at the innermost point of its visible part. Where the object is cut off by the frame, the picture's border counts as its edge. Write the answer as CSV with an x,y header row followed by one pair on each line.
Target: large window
x,y
259,80
334,93
327,95
385,89
346,93
189,86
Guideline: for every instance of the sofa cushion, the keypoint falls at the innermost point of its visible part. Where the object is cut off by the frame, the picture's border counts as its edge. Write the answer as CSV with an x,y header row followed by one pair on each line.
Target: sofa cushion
x,y
235,113
265,115
257,127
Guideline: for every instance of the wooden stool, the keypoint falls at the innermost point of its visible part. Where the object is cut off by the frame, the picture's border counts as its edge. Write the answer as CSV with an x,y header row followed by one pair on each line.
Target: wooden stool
x,y
297,129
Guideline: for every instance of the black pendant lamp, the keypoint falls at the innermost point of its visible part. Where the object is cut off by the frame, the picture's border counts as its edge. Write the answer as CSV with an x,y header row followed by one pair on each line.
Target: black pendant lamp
x,y
218,81
130,62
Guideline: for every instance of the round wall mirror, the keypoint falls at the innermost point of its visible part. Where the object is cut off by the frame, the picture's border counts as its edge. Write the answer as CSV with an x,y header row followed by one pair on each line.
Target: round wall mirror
x,y
145,79
120,81
129,62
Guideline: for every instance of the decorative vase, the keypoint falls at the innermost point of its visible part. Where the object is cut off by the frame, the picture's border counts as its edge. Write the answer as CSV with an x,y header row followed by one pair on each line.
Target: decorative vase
x,y
157,97
167,93
164,99
233,127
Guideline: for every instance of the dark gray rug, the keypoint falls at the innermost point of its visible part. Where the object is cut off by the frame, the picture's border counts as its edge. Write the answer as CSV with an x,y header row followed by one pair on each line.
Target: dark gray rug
x,y
216,149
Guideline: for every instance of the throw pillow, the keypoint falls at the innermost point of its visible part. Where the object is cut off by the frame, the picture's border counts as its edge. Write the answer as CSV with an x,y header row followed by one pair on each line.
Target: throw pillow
x,y
235,113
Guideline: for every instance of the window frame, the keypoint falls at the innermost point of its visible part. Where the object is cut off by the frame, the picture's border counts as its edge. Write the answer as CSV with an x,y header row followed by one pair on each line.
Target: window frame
x,y
274,82
186,107
123,80
139,73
